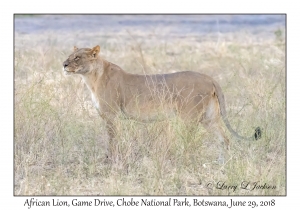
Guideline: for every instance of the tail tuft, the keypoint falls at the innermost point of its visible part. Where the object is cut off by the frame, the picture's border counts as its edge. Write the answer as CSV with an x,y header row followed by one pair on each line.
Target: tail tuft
x,y
257,134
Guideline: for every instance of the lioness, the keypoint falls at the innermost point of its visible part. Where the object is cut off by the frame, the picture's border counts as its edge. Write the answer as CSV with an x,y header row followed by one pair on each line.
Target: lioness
x,y
190,95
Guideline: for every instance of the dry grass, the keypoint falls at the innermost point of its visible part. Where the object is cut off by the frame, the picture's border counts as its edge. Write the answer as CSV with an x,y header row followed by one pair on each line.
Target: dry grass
x,y
60,141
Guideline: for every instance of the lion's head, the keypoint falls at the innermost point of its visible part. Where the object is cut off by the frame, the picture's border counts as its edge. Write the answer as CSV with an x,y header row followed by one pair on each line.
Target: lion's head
x,y
81,61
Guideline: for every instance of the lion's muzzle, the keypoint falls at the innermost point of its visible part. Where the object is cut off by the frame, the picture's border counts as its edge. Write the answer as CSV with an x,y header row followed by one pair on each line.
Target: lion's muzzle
x,y
65,68
65,64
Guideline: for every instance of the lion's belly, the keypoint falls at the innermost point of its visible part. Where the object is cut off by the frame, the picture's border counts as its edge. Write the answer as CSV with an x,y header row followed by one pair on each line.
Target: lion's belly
x,y
145,110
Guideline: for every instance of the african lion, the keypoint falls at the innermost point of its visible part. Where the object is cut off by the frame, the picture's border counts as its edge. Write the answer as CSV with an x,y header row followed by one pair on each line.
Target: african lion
x,y
190,95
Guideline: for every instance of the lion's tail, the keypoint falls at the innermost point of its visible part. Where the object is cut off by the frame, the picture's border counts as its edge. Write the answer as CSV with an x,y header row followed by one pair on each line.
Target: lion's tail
x,y
257,134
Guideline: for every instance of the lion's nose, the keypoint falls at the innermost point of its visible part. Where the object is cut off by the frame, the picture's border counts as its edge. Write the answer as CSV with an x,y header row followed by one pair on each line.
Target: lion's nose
x,y
65,64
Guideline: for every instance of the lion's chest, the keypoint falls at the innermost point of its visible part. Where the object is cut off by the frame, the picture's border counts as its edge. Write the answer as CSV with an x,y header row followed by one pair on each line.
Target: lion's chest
x,y
95,101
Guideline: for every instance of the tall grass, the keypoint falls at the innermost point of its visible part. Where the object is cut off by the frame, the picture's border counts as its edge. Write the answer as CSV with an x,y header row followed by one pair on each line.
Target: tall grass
x,y
61,142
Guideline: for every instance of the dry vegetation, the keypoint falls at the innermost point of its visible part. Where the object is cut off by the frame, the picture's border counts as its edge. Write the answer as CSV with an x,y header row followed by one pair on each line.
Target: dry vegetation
x,y
60,142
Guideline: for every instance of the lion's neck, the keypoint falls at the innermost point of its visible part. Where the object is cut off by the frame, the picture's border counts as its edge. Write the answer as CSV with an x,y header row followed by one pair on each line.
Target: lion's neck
x,y
92,79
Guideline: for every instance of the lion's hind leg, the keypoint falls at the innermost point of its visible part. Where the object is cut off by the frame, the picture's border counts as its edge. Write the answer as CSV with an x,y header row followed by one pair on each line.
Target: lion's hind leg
x,y
211,121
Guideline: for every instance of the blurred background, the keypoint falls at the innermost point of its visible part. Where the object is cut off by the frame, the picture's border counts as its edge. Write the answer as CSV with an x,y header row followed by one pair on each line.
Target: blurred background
x,y
171,25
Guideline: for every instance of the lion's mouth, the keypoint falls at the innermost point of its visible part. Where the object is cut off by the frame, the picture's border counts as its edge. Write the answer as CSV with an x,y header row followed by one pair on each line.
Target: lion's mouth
x,y
67,71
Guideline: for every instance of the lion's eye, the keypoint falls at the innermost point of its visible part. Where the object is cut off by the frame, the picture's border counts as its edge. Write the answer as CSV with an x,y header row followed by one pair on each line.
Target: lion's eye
x,y
76,58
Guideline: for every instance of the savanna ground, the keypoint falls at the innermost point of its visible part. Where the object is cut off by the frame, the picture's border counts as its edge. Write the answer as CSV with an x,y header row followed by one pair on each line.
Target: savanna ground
x,y
60,141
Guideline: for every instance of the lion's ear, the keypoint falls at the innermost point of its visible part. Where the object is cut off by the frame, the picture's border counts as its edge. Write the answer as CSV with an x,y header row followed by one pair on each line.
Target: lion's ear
x,y
95,51
75,48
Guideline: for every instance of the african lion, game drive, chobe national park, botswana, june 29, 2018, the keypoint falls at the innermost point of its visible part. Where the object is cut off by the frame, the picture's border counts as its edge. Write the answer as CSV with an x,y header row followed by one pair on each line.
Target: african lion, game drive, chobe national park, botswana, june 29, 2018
x,y
192,96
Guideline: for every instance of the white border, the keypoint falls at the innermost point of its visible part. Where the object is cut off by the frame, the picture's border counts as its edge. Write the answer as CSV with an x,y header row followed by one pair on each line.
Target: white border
x,y
155,6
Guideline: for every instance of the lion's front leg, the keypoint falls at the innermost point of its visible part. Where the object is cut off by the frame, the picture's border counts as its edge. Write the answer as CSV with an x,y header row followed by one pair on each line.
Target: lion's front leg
x,y
110,126
111,131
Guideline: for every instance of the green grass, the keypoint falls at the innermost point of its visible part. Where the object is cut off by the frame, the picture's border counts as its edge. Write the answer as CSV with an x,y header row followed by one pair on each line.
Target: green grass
x,y
60,141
